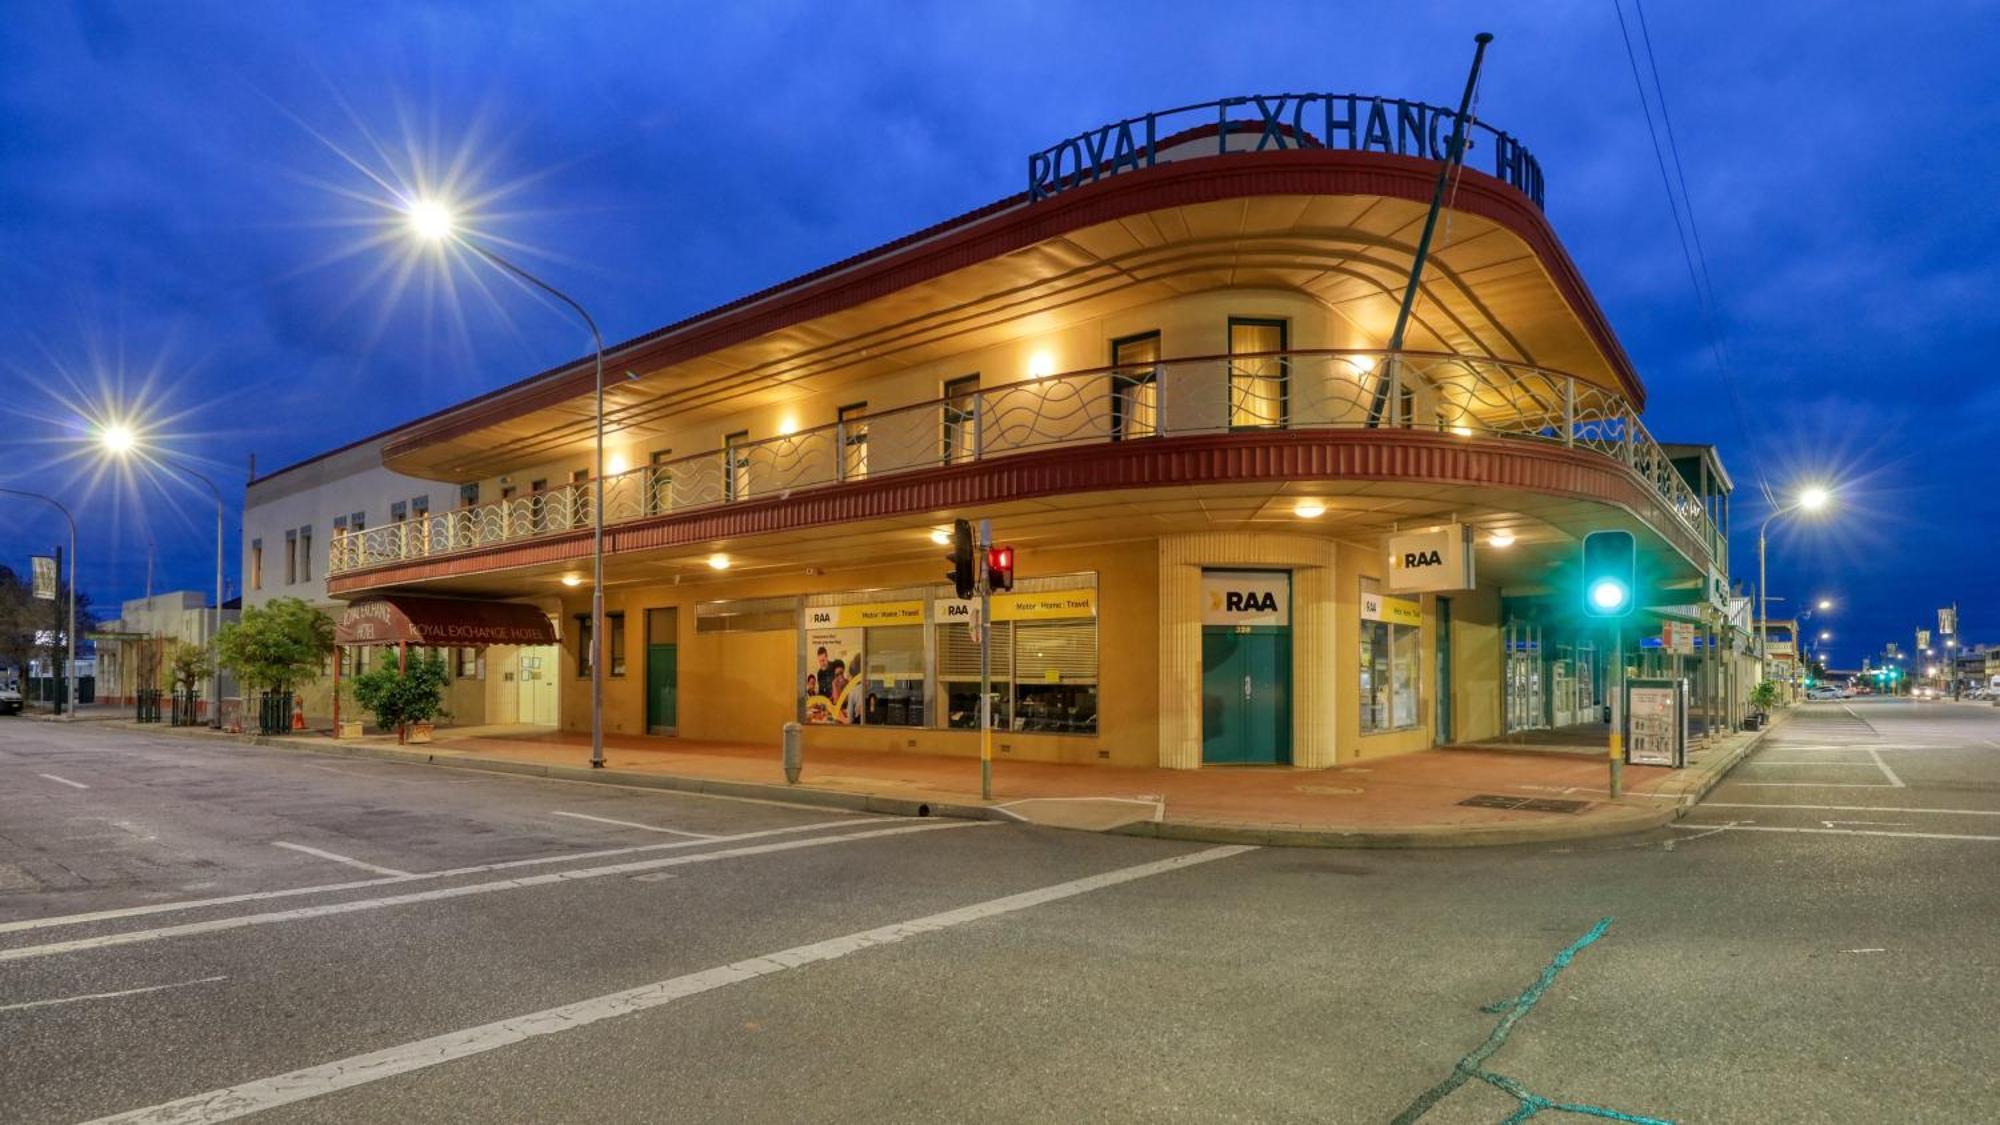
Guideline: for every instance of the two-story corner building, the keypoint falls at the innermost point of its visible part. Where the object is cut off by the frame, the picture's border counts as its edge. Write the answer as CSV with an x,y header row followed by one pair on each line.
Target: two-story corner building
x,y
1161,373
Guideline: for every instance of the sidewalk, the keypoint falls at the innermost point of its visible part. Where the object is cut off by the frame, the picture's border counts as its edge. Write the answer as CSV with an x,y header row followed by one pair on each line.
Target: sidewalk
x,y
1412,800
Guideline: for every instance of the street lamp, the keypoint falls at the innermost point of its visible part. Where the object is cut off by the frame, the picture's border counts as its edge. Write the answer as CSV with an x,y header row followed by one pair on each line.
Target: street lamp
x,y
119,440
432,221
1812,498
68,671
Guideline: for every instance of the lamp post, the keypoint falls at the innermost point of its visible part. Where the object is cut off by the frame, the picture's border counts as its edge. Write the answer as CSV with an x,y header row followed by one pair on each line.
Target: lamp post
x,y
69,633
1811,499
433,222
120,440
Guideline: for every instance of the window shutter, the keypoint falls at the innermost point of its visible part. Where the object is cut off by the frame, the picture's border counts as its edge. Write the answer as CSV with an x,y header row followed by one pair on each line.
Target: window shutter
x,y
1057,652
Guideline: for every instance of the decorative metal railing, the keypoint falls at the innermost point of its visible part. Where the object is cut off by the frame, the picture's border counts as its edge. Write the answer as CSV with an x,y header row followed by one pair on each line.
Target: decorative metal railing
x,y
1458,395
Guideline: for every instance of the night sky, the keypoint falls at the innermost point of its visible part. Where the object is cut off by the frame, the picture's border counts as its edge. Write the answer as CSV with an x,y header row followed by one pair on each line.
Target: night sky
x,y
190,237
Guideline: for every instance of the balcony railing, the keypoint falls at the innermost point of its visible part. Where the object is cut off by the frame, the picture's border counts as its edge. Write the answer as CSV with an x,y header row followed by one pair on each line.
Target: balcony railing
x,y
1299,390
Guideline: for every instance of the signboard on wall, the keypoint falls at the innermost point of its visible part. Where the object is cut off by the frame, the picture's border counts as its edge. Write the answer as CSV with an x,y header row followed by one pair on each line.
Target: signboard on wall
x,y
1426,561
1246,597
864,614
833,688
1656,723
1396,611
1677,636
1051,605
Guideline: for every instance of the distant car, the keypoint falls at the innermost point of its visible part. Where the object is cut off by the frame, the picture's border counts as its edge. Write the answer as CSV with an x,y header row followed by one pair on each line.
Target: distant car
x,y
10,701
1824,693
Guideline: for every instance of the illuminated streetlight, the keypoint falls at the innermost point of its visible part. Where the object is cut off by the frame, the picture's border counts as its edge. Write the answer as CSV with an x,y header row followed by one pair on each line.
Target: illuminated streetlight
x,y
1811,498
1825,603
432,221
120,441
1825,636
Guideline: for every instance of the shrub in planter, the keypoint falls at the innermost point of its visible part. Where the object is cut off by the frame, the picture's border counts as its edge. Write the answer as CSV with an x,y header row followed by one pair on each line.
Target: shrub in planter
x,y
402,699
1764,696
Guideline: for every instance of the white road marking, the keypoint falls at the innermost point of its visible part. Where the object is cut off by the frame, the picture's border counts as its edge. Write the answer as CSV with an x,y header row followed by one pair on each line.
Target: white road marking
x,y
632,824
1864,951
1812,765
63,781
337,858
1813,832
1884,767
311,1082
1853,808
1873,823
361,884
1813,784
216,925
106,995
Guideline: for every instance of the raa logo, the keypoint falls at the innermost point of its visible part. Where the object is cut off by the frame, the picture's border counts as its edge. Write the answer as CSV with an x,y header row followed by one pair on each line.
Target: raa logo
x,y
1244,601
1414,559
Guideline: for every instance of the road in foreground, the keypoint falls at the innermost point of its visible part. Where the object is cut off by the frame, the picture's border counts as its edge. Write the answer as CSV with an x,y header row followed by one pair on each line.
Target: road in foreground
x,y
196,932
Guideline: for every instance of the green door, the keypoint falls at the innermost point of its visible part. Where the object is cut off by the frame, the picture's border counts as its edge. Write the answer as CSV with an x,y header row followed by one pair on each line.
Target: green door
x,y
662,689
1246,706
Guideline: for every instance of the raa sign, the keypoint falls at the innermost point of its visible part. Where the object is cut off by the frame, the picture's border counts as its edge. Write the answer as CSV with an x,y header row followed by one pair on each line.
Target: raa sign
x,y
1434,560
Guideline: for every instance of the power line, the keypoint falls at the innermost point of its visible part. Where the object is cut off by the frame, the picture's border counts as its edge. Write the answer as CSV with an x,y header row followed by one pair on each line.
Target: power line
x,y
1689,234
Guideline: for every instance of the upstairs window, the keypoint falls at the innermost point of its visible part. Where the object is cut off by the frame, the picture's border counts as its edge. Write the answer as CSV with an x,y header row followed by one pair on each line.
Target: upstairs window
x,y
961,418
1259,385
1135,386
853,441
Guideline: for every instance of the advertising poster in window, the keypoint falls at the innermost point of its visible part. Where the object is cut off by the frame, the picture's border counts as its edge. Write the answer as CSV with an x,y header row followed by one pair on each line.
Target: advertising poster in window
x,y
834,685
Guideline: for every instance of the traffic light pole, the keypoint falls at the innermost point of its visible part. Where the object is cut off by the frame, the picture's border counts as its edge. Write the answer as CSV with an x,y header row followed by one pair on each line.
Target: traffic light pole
x,y
1617,709
985,663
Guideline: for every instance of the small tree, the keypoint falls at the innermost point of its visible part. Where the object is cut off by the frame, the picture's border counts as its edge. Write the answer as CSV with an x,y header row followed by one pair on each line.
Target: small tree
x,y
1764,696
277,645
189,666
398,697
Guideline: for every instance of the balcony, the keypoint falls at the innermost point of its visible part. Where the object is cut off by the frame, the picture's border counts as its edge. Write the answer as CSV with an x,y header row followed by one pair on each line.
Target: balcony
x,y
1461,396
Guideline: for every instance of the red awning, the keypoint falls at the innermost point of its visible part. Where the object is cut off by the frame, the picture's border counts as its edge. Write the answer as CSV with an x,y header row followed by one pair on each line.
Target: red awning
x,y
440,622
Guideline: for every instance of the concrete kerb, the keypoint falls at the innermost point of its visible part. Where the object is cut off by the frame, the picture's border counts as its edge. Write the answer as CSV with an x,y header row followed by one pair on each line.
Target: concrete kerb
x,y
1688,793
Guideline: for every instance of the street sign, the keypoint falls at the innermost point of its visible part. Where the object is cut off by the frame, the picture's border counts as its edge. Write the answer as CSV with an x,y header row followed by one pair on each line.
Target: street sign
x,y
1923,638
1948,620
1436,560
1656,723
1677,636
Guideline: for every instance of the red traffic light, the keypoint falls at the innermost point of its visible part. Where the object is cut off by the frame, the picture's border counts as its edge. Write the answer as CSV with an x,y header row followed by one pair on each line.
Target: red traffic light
x,y
1000,568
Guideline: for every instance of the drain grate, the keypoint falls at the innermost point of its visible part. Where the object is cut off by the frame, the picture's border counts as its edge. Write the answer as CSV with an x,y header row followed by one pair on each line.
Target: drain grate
x,y
1525,804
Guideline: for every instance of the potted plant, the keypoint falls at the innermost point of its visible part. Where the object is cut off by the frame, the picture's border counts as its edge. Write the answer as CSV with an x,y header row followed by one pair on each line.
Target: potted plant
x,y
406,699
1763,697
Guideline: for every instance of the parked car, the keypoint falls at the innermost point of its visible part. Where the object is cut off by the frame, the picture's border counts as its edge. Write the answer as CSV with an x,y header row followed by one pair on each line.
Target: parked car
x,y
10,701
1823,693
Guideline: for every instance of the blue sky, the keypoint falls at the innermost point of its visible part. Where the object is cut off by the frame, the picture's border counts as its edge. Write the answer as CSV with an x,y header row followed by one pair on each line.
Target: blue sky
x,y
178,226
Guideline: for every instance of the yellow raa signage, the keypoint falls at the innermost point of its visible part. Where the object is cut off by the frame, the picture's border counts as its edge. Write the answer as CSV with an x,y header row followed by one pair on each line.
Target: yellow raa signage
x,y
1053,605
864,614
1396,611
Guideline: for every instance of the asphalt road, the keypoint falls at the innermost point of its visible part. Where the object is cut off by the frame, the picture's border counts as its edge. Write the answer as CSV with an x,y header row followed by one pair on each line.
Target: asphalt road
x,y
191,932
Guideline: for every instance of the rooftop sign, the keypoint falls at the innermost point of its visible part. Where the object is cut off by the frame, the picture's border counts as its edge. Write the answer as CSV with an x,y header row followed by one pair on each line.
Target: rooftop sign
x,y
1257,122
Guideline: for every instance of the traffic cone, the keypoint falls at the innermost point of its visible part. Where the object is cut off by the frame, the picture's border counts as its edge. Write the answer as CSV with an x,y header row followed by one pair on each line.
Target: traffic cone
x,y
298,713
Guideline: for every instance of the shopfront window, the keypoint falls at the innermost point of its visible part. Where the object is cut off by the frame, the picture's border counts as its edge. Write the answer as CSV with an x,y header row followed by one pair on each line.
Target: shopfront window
x,y
1391,660
958,676
1055,688
894,659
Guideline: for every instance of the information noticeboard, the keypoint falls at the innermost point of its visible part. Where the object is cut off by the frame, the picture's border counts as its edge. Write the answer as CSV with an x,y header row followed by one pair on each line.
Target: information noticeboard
x,y
1656,723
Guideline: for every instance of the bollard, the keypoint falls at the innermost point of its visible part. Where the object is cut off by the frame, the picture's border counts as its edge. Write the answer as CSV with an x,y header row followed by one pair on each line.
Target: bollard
x,y
793,753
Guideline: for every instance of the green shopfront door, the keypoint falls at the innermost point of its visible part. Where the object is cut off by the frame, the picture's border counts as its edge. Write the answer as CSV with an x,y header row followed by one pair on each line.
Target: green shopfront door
x,y
662,673
1246,668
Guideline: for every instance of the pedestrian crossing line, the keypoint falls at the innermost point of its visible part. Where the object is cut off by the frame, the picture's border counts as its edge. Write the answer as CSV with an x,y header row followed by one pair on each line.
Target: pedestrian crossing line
x,y
568,875
1688,827
316,1081
1852,808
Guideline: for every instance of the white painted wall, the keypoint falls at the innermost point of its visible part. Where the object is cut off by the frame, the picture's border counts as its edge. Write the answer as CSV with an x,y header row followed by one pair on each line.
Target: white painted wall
x,y
312,495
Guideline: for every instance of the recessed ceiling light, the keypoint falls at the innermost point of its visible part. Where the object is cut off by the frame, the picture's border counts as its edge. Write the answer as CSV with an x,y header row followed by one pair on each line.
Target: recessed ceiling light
x,y
940,536
718,561
1310,509
572,580
1500,539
